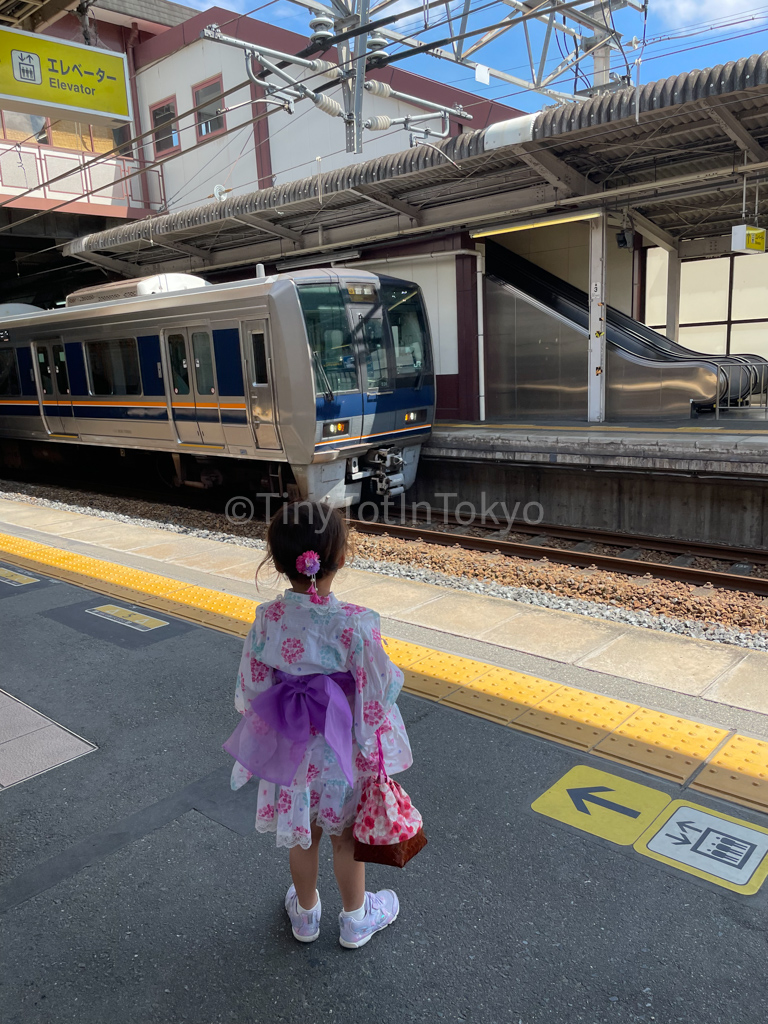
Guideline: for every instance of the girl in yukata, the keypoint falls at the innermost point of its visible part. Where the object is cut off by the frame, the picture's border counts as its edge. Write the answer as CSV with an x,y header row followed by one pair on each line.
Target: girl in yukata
x,y
315,687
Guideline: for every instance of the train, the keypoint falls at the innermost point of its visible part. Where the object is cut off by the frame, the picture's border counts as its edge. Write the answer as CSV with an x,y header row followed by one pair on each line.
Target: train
x,y
315,384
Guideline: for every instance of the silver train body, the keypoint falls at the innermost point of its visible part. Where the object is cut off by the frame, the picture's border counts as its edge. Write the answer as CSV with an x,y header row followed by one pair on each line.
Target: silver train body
x,y
318,384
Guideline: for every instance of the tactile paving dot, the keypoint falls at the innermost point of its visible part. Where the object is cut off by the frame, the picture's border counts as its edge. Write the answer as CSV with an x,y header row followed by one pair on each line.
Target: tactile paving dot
x,y
738,771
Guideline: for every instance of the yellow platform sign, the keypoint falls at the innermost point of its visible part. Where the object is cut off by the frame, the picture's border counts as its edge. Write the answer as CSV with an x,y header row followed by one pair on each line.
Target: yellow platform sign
x,y
127,617
602,804
43,75
727,851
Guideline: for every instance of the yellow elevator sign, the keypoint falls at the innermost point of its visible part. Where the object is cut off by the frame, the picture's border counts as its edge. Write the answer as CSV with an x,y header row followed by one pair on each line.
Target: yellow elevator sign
x,y
43,75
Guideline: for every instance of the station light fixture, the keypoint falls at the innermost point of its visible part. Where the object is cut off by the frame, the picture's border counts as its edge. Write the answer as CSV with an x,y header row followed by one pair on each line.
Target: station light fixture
x,y
543,222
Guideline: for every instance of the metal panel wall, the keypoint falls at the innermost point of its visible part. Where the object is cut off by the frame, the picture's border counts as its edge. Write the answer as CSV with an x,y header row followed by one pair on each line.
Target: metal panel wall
x,y
536,364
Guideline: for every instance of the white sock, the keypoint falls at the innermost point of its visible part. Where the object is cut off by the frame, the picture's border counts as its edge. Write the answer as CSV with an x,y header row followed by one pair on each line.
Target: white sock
x,y
301,909
354,915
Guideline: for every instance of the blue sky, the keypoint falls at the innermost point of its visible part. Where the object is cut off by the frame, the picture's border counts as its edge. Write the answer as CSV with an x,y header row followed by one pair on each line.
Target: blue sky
x,y
680,35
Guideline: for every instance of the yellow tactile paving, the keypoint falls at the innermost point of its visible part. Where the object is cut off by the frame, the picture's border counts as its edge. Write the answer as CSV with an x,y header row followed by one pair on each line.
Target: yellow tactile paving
x,y
575,717
497,709
515,686
650,740
403,653
737,771
663,744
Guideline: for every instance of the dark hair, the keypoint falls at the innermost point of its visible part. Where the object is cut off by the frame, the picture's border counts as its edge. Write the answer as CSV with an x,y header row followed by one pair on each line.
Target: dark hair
x,y
303,526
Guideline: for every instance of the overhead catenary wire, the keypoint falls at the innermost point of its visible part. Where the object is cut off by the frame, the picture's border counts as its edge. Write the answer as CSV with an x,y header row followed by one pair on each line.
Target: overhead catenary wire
x,y
154,164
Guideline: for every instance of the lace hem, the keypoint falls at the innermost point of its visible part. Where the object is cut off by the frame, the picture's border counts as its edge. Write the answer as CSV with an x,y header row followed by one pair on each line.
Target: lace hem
x,y
296,838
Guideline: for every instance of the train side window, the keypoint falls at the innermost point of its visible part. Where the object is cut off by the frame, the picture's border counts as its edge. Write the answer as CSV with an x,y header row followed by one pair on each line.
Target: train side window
x,y
44,368
258,342
60,369
177,350
10,385
409,330
114,367
201,349
325,316
377,354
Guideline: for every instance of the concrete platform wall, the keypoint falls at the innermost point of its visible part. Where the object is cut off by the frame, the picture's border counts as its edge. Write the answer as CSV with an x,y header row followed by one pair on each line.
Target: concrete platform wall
x,y
656,505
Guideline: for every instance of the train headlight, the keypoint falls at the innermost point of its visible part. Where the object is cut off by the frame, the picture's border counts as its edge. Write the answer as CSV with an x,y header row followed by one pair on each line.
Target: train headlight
x,y
417,416
336,428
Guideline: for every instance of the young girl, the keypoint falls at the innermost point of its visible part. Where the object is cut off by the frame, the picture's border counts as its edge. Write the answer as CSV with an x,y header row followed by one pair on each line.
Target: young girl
x,y
315,687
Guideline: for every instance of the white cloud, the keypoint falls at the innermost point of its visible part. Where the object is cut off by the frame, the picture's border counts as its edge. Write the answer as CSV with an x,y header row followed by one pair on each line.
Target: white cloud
x,y
698,12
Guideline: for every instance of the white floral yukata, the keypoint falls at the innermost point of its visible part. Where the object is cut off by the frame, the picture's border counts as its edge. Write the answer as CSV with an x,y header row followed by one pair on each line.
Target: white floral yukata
x,y
301,638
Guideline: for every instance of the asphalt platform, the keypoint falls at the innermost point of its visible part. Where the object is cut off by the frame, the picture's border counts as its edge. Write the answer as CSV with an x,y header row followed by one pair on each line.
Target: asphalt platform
x,y
133,887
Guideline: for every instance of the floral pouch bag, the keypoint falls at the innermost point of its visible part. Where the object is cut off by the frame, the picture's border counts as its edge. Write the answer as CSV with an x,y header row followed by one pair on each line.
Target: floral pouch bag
x,y
388,828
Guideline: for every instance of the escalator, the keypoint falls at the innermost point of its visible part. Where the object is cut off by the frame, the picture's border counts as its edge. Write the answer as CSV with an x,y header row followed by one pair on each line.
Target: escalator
x,y
537,345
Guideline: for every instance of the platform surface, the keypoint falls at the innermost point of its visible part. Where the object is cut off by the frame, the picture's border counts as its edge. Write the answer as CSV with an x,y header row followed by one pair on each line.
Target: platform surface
x,y
134,888
597,652
732,446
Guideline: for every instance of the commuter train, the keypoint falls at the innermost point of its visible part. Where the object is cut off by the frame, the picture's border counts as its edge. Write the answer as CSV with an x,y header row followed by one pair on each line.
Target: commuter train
x,y
316,384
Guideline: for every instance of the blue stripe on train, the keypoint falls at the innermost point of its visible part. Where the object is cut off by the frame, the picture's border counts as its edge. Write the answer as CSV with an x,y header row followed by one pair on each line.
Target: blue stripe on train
x,y
234,416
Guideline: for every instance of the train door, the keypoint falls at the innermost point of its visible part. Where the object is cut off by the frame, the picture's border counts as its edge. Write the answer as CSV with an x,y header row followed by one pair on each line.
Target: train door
x,y
53,392
259,375
206,391
376,359
182,407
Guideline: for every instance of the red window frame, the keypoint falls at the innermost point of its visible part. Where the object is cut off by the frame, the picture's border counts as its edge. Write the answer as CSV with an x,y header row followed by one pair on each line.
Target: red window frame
x,y
218,80
160,153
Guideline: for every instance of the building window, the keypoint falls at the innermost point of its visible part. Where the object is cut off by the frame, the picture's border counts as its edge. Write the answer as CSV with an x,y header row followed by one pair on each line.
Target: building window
x,y
30,129
208,119
33,130
164,123
722,305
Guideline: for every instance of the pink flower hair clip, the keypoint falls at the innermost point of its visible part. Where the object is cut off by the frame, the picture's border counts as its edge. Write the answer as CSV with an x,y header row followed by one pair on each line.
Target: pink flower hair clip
x,y
308,564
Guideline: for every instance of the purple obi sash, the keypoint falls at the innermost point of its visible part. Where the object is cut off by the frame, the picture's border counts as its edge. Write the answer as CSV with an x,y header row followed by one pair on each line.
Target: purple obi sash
x,y
272,736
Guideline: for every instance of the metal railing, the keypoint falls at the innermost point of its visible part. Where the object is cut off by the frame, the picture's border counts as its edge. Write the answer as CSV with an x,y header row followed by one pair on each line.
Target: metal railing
x,y
100,186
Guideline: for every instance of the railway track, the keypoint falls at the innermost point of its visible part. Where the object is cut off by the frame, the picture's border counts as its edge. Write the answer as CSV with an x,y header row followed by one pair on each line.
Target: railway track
x,y
539,547
589,559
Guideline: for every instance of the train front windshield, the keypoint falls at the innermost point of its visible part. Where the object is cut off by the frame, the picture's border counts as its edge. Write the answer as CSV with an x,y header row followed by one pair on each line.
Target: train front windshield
x,y
386,331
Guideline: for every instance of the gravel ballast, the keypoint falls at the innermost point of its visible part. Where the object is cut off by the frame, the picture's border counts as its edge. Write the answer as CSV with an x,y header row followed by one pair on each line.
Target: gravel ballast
x,y
707,612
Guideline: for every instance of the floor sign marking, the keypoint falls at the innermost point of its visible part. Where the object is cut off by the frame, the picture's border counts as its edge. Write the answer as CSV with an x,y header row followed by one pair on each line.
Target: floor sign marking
x,y
726,851
127,617
603,805
15,579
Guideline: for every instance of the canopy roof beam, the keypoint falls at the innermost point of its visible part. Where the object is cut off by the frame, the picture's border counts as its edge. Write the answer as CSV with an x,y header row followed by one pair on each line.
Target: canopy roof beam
x,y
734,129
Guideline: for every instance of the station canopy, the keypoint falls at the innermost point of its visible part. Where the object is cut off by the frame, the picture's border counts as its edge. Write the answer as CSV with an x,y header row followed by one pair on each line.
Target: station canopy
x,y
669,159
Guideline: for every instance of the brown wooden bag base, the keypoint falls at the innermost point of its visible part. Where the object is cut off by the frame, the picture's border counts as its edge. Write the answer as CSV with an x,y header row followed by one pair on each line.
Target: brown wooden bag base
x,y
396,855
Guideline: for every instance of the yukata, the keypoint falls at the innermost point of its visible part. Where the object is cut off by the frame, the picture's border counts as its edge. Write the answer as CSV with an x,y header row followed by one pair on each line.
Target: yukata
x,y
292,636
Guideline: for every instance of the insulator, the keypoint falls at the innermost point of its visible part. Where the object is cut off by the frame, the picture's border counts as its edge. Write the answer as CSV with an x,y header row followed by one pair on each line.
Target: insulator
x,y
322,28
327,104
380,123
378,88
377,42
377,59
326,68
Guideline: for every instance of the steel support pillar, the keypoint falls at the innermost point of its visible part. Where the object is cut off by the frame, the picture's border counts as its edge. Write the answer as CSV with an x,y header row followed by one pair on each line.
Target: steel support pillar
x,y
597,321
673,297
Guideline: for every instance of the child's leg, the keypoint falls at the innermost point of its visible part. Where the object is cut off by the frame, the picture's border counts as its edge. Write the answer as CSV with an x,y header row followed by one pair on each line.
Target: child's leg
x,y
305,865
350,873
